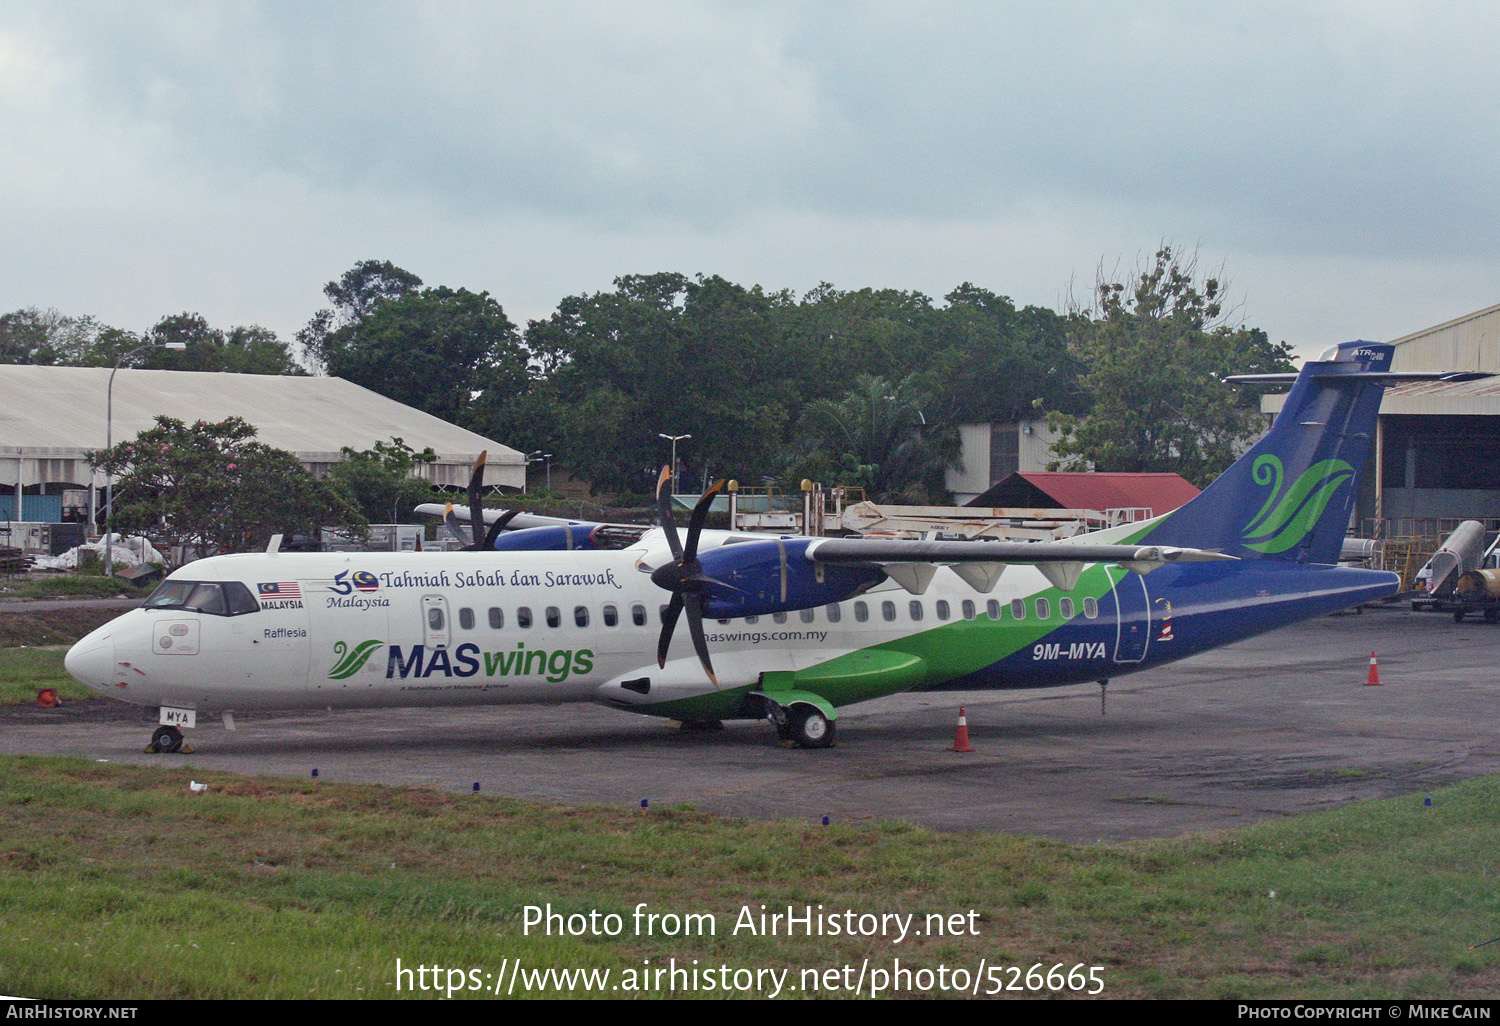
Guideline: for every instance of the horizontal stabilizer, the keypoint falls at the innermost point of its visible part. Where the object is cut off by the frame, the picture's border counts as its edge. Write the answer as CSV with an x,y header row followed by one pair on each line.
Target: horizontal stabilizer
x,y
1385,377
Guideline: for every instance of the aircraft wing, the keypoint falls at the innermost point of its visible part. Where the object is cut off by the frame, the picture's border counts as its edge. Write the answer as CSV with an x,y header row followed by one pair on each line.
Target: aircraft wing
x,y
519,522
913,563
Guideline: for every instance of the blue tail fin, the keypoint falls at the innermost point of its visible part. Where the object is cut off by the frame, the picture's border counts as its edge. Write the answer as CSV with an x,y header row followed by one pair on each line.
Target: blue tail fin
x,y
1291,495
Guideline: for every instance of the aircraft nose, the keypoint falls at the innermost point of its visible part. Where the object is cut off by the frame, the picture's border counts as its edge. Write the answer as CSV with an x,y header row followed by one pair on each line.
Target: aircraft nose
x,y
92,660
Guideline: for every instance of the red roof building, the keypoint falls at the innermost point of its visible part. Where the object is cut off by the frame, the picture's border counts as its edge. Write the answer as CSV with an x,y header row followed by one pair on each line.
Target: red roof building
x,y
1160,493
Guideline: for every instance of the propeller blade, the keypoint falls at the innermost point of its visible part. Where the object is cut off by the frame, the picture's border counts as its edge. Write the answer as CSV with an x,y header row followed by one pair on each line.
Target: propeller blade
x,y
454,525
664,511
698,519
695,627
476,500
498,526
668,621
684,576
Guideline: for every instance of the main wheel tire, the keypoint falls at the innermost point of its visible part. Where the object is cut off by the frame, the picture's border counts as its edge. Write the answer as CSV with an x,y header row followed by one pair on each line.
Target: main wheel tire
x,y
166,740
810,728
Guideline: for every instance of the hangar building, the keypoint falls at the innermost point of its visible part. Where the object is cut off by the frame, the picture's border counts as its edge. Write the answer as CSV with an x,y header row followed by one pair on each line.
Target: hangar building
x,y
1436,456
51,416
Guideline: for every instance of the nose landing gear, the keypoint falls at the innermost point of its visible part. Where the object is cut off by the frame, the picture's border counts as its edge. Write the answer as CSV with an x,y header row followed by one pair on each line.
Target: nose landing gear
x,y
167,741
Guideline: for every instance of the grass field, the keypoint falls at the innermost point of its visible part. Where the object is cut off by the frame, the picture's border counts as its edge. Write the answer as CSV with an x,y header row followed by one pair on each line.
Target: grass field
x,y
25,671
119,882
69,585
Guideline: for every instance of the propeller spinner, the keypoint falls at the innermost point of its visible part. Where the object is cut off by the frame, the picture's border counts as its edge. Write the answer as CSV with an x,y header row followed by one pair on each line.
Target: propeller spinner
x,y
684,576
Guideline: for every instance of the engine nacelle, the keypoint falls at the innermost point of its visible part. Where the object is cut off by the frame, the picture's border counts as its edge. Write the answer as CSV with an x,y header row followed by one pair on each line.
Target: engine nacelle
x,y
561,537
761,577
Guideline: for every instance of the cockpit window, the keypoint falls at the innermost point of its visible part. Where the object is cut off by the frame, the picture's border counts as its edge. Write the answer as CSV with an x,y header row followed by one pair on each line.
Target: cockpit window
x,y
218,598
238,599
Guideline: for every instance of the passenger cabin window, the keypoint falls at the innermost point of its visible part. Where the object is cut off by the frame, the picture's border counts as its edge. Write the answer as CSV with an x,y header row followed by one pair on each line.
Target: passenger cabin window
x,y
968,608
915,609
611,616
1018,608
1090,608
466,619
943,612
435,618
1065,608
554,616
580,616
861,612
217,598
779,617
497,618
888,611
638,615
1043,609
992,607
835,612
806,615
523,618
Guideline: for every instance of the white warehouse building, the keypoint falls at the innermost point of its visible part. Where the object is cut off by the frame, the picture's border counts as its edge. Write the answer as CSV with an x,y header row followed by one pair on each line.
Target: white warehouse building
x,y
50,417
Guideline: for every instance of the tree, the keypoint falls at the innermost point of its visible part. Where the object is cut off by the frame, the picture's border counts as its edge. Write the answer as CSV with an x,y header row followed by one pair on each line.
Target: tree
x,y
995,362
431,349
355,296
216,489
368,284
382,482
46,337
244,350
874,436
1157,348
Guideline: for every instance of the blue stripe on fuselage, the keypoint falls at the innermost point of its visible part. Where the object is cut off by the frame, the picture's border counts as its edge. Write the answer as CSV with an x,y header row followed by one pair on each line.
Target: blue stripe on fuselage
x,y
1212,604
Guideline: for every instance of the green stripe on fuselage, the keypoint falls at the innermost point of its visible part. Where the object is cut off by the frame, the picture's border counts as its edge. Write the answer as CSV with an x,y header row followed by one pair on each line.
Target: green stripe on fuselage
x,y
946,652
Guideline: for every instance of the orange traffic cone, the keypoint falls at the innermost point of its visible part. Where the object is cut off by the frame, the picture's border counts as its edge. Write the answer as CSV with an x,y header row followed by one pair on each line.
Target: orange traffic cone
x,y
1373,680
47,698
961,737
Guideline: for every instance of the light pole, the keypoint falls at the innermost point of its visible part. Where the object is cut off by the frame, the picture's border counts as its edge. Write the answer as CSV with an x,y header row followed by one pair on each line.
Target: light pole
x,y
109,443
674,439
538,457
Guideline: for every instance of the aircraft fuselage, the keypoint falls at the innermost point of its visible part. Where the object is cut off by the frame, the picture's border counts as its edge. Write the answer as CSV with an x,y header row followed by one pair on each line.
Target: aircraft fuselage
x,y
416,629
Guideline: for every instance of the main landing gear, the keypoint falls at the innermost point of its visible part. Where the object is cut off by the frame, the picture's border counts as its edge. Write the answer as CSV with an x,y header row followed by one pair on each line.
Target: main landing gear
x,y
804,726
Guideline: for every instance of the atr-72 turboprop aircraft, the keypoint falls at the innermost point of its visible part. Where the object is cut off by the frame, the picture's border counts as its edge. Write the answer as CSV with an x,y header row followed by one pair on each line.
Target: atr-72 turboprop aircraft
x,y
785,628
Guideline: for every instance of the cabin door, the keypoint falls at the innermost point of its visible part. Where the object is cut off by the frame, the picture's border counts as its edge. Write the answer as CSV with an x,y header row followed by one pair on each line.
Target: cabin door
x,y
1132,615
436,629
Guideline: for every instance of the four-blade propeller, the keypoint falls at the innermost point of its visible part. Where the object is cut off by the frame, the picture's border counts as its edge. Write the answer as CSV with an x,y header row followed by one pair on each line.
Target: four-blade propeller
x,y
684,576
478,542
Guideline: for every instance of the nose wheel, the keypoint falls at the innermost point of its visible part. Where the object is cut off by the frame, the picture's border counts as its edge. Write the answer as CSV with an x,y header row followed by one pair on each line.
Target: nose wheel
x,y
165,741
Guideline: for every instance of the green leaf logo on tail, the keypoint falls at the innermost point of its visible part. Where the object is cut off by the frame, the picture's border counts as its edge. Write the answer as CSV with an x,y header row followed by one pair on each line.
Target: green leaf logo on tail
x,y
349,663
1287,518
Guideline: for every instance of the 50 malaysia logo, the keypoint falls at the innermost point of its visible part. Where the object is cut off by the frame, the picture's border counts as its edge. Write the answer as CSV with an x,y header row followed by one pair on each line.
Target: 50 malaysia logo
x,y
347,582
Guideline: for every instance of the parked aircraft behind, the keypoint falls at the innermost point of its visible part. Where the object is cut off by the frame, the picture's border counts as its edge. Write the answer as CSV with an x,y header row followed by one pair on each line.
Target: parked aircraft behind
x,y
785,628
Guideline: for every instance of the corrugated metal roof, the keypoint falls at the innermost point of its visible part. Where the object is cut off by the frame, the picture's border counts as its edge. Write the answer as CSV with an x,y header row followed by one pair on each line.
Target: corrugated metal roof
x,y
1457,321
60,411
1461,398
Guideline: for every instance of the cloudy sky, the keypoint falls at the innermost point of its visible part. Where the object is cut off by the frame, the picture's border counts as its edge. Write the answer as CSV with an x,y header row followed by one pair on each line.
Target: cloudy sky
x,y
1339,160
